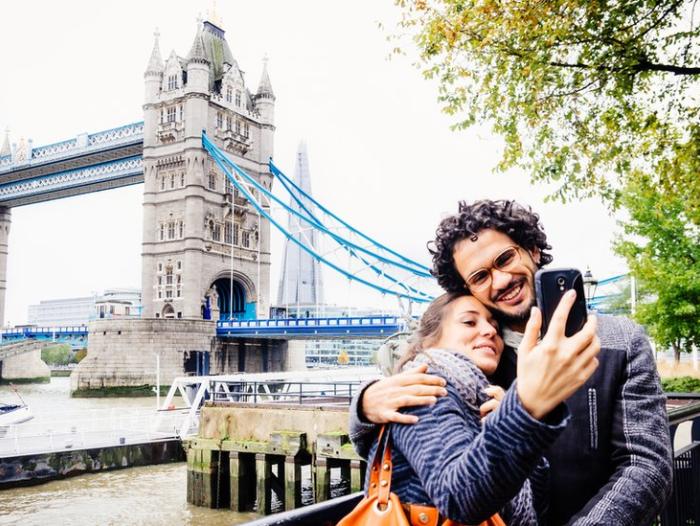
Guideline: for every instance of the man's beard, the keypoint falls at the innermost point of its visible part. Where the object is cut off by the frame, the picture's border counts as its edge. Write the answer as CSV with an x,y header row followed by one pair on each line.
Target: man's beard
x,y
507,319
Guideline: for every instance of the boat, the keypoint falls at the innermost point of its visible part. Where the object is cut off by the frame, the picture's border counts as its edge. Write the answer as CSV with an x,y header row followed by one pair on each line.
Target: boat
x,y
14,414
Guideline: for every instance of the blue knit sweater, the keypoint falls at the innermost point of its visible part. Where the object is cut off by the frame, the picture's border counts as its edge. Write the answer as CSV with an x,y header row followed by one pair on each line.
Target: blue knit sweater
x,y
469,471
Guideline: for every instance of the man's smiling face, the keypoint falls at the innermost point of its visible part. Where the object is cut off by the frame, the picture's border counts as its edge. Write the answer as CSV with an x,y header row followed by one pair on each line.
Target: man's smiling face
x,y
510,292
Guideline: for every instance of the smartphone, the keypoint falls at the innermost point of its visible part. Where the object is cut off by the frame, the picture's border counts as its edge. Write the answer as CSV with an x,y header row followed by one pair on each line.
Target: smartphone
x,y
550,286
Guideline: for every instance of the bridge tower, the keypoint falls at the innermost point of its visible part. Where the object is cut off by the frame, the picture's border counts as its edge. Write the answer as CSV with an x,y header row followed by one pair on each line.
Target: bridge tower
x,y
206,252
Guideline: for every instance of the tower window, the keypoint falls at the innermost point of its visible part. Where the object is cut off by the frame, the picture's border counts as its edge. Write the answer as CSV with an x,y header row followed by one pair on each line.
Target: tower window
x,y
235,234
246,238
172,82
219,120
162,183
168,293
179,263
228,122
238,98
182,234
172,181
246,129
171,114
229,93
160,267
212,181
169,276
238,127
216,234
228,185
171,232
180,112
162,232
228,232
182,179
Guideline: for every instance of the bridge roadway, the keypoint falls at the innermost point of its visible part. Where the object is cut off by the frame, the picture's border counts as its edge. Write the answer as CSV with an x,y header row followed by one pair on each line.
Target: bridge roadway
x,y
279,328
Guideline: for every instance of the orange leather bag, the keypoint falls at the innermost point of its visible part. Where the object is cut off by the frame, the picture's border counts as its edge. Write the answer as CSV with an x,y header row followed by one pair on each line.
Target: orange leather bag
x,y
381,507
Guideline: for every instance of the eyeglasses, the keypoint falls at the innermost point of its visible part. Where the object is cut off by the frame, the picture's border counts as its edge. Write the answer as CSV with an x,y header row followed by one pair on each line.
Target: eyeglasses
x,y
505,261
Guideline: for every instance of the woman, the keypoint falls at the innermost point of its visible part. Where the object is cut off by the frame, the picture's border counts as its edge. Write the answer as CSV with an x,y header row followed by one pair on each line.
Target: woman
x,y
449,459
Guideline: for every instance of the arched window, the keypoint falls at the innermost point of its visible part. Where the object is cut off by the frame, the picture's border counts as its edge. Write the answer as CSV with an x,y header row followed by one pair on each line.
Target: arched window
x,y
228,232
216,234
229,93
238,98
169,275
171,230
212,181
172,180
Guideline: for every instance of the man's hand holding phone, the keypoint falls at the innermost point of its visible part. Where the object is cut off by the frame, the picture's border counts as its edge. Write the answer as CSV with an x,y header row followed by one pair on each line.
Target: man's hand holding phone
x,y
551,370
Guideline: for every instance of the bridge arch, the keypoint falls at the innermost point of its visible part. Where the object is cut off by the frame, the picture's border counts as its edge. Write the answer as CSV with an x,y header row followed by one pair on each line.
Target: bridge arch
x,y
168,311
234,295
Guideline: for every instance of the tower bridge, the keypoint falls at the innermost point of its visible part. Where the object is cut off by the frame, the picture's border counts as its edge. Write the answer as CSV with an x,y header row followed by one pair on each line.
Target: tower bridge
x,y
201,154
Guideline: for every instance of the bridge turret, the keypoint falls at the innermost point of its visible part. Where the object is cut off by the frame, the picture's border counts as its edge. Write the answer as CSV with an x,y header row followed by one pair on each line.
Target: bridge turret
x,y
198,66
154,72
265,105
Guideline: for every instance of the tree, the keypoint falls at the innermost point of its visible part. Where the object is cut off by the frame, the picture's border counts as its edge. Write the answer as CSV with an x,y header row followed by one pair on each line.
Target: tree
x,y
343,357
662,248
584,93
599,99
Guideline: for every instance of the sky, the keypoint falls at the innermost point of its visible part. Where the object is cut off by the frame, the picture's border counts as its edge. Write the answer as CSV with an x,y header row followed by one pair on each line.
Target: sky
x,y
382,154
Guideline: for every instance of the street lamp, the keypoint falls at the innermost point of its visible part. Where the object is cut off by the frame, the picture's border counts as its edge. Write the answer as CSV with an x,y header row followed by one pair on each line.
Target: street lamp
x,y
589,286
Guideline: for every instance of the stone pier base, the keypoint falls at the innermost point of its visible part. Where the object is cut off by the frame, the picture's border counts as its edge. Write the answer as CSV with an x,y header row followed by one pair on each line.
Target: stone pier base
x,y
122,353
25,368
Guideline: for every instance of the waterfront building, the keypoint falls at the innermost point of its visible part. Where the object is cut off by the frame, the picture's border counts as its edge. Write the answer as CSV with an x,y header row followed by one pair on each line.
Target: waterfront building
x,y
112,303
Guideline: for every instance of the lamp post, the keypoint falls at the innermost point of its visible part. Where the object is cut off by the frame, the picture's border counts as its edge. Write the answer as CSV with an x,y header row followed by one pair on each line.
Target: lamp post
x,y
589,286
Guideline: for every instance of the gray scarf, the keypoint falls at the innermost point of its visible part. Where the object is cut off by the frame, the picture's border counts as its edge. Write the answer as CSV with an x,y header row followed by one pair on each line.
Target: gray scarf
x,y
459,371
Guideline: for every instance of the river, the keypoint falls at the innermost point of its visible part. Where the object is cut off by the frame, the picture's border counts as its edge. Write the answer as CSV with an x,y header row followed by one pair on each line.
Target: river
x,y
151,495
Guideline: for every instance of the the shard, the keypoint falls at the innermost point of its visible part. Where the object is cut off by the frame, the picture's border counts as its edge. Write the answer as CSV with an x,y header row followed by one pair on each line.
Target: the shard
x,y
301,286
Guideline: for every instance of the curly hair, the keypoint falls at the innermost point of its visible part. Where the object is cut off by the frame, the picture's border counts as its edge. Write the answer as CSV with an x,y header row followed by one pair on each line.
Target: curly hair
x,y
516,221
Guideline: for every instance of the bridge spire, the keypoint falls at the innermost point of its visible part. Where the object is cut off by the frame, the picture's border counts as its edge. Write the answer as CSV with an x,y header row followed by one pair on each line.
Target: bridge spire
x,y
5,150
265,86
155,64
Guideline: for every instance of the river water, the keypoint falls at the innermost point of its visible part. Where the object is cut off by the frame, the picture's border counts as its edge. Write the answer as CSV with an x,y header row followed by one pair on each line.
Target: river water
x,y
150,495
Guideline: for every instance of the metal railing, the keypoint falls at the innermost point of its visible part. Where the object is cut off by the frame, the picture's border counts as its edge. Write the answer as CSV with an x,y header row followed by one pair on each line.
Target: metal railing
x,y
295,393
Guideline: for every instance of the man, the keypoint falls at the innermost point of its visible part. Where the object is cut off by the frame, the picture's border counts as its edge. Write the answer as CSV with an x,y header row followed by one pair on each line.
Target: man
x,y
612,465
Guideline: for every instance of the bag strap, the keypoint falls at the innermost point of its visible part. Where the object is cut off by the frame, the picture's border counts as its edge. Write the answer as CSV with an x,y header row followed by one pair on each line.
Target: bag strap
x,y
380,474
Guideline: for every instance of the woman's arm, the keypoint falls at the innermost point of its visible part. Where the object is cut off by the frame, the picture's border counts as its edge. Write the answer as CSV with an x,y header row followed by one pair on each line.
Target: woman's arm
x,y
470,472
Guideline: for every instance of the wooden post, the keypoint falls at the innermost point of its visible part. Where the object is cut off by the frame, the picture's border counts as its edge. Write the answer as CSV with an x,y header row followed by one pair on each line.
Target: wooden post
x,y
356,476
243,482
263,472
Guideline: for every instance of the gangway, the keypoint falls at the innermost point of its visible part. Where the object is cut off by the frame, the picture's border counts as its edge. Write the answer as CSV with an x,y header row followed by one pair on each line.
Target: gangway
x,y
327,387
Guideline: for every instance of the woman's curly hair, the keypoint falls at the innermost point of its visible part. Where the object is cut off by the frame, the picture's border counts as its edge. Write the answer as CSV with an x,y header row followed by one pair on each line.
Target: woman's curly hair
x,y
516,221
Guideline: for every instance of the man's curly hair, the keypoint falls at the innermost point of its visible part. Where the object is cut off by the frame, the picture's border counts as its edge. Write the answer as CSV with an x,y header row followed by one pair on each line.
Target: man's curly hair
x,y
516,221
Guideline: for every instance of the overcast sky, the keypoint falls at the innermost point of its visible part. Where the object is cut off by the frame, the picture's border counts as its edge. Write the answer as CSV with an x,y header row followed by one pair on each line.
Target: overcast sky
x,y
381,152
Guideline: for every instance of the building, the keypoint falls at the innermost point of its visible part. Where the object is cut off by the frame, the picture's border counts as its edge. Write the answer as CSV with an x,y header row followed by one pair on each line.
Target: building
x,y
300,291
113,303
206,252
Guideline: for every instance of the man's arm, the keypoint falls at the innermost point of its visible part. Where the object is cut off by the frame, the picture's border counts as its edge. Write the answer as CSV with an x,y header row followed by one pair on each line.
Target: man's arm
x,y
642,450
379,401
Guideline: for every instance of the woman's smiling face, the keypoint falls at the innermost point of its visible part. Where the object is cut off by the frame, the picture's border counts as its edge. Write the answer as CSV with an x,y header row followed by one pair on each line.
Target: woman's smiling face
x,y
468,327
